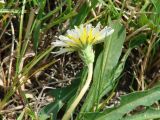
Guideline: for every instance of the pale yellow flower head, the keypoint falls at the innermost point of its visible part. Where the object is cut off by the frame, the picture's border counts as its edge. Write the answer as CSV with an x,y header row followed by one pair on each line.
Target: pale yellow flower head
x,y
81,38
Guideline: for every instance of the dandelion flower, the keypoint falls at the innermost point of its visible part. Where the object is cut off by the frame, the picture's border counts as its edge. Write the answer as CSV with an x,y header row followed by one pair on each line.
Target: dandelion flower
x,y
82,39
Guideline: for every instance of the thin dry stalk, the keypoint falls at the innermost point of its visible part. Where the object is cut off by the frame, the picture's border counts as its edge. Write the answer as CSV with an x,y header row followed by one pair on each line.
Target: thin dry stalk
x,y
136,32
12,53
145,62
92,10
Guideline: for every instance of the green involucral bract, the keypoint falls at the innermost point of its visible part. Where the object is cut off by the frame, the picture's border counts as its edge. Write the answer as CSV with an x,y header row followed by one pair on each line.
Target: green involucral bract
x,y
87,54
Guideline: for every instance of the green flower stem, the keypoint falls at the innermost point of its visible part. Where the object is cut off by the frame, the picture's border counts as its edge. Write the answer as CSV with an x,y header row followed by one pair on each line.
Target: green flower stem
x,y
67,115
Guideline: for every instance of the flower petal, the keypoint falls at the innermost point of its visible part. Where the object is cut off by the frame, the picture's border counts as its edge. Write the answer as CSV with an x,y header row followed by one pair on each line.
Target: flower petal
x,y
63,50
65,39
105,32
108,31
59,43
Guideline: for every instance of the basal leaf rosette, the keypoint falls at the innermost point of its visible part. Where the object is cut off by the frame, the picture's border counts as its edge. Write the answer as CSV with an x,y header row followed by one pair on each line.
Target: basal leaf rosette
x,y
82,39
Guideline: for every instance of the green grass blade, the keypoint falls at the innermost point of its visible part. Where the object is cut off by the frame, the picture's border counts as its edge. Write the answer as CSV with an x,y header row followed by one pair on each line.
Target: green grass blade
x,y
36,59
59,20
19,57
83,13
156,5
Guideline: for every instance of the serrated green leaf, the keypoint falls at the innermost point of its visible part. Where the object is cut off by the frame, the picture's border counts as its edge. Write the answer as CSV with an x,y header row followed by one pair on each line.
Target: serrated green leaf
x,y
127,103
50,109
145,115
